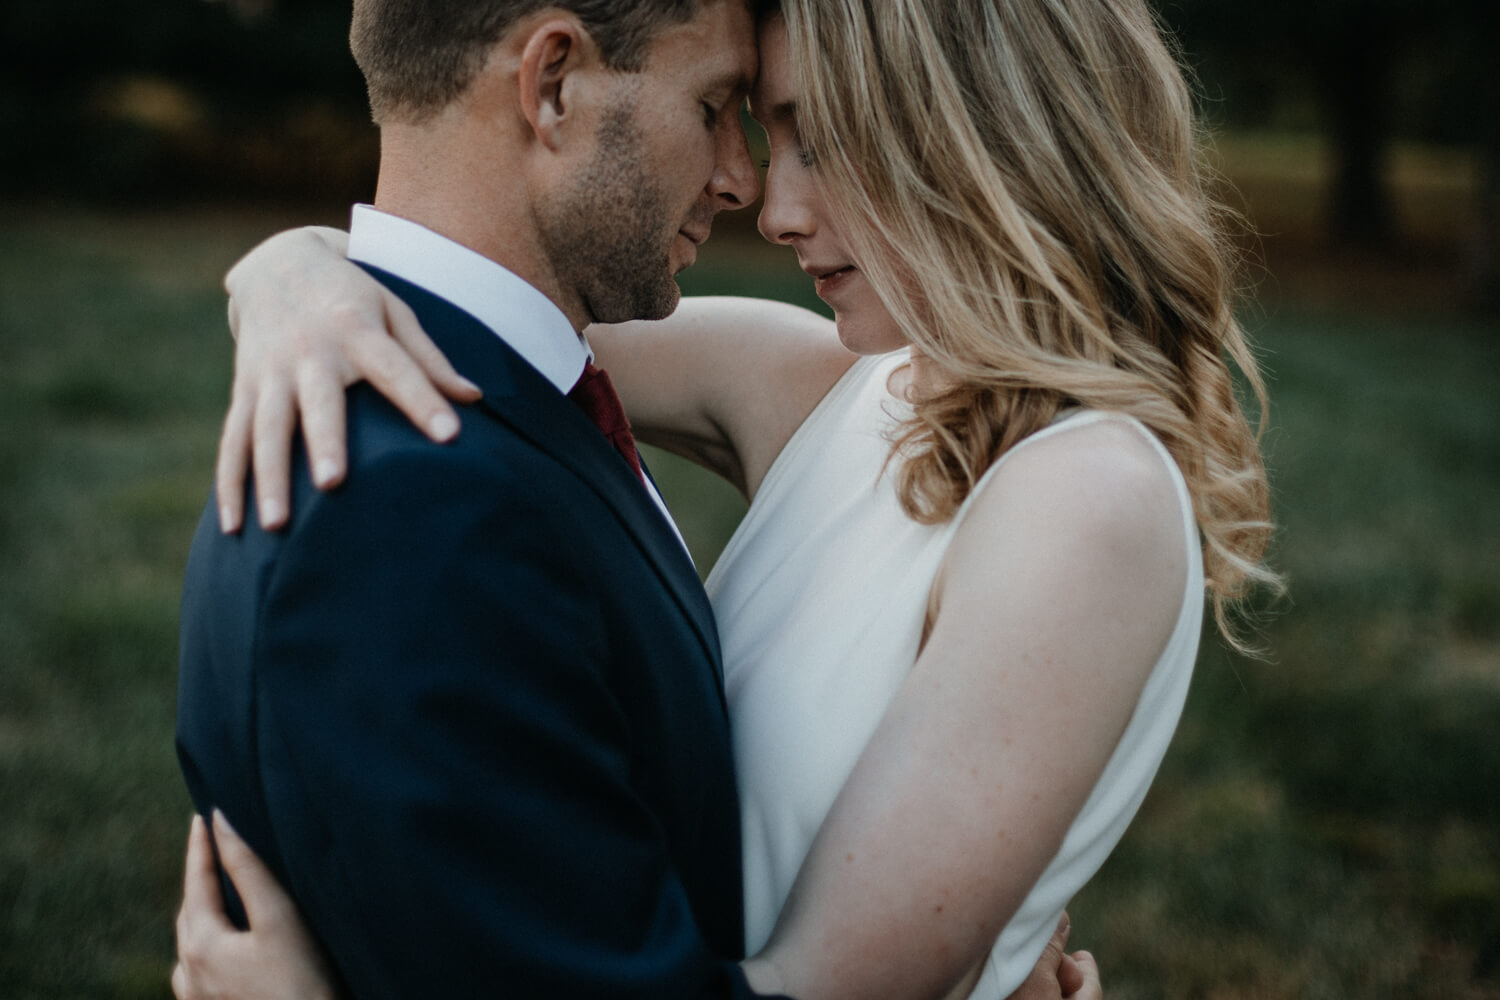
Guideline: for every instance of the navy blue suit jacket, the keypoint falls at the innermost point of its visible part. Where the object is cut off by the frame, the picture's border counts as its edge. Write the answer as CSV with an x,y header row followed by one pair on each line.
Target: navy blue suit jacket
x,y
469,707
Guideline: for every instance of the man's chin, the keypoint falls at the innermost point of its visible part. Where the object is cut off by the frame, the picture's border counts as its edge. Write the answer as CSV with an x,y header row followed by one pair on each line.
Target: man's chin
x,y
664,305
655,302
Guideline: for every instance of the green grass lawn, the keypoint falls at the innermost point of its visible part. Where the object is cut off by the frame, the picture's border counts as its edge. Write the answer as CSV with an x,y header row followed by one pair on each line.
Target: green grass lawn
x,y
1326,825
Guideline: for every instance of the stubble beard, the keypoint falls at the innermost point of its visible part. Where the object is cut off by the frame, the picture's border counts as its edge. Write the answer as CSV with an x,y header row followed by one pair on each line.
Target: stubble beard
x,y
610,238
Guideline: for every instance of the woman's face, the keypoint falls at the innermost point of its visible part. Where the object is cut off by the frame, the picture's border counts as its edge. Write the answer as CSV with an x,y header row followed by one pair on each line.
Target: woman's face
x,y
795,212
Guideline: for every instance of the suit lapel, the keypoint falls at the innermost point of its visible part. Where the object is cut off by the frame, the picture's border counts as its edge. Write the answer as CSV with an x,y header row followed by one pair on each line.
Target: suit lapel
x,y
525,401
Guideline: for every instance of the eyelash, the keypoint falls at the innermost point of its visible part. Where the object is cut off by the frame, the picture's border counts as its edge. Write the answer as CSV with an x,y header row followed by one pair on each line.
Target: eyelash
x,y
804,159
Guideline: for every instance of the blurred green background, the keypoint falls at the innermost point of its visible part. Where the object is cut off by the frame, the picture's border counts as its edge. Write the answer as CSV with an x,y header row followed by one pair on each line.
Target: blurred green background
x,y
1327,823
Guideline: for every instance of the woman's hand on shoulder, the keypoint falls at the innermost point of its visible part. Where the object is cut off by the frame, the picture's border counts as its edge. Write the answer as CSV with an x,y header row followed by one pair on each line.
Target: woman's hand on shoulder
x,y
277,959
307,324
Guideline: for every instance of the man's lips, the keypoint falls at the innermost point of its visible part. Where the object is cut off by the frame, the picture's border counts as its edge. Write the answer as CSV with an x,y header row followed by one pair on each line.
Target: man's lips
x,y
695,239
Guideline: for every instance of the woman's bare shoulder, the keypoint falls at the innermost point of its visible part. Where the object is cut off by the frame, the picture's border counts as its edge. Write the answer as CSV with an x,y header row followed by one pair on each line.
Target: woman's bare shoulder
x,y
1106,473
1085,518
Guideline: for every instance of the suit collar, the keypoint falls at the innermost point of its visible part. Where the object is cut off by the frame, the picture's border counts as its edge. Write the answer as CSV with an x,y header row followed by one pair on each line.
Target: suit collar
x,y
518,395
519,313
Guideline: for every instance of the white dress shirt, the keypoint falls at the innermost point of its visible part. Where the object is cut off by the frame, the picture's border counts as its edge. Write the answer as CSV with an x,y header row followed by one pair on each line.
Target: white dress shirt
x,y
519,314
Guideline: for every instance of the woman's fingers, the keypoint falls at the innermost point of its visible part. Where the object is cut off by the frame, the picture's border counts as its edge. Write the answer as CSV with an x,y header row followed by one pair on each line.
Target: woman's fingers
x,y
1053,975
393,372
265,901
309,324
272,426
402,323
201,898
1069,975
276,958
201,919
1092,986
233,461
320,398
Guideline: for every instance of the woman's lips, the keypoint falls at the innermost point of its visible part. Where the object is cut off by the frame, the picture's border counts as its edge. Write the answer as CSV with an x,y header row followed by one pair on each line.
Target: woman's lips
x,y
831,281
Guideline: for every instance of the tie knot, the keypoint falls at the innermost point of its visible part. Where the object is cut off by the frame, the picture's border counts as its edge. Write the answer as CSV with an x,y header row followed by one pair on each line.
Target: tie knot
x,y
595,395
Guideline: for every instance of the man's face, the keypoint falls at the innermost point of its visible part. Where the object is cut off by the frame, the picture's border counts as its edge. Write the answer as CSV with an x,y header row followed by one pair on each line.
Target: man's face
x,y
670,154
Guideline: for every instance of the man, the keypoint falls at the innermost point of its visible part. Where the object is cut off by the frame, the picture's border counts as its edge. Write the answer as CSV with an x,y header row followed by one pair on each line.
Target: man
x,y
469,708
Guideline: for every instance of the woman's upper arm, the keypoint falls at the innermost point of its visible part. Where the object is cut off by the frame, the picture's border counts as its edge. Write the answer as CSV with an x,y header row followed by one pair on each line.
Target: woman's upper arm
x,y
723,381
1063,585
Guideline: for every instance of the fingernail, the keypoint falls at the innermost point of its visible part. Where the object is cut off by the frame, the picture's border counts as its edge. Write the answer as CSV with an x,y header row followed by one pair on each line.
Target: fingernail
x,y
270,512
222,824
444,426
1064,923
326,472
469,384
226,521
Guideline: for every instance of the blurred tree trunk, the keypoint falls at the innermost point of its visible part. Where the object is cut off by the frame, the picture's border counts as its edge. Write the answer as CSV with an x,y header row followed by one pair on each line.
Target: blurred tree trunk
x,y
1485,266
1356,89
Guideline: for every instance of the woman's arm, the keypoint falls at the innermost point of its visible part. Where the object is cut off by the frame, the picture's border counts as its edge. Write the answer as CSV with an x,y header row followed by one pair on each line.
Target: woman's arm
x,y
723,381
278,959
1061,589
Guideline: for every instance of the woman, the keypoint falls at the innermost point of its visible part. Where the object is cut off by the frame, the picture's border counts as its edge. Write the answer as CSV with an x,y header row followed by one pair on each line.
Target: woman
x,y
960,616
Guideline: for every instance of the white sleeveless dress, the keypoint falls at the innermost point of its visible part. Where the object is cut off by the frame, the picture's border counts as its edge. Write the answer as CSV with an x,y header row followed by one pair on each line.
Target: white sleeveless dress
x,y
820,597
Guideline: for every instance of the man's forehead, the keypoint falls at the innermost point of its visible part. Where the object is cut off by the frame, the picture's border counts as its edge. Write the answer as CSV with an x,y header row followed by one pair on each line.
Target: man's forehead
x,y
730,21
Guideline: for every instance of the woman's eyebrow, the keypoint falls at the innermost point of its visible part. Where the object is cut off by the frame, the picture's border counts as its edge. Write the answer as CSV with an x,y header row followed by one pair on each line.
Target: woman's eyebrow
x,y
783,112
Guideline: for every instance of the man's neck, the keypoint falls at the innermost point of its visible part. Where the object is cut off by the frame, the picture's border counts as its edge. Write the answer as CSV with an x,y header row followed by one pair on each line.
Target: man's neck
x,y
438,177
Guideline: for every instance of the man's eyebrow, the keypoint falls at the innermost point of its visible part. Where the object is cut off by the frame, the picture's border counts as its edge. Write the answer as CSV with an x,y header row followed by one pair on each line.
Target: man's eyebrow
x,y
743,85
734,84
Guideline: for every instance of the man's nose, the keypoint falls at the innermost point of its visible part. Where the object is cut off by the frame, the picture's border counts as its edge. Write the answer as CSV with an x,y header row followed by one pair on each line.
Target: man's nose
x,y
735,182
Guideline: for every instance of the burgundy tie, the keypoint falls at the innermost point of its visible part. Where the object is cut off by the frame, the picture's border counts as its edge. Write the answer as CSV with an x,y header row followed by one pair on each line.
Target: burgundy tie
x,y
595,396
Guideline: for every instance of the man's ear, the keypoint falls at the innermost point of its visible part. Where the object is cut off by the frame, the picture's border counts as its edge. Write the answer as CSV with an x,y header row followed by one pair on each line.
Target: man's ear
x,y
555,50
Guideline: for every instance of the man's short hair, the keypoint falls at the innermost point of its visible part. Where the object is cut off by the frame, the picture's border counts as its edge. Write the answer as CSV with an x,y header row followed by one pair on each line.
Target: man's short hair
x,y
418,55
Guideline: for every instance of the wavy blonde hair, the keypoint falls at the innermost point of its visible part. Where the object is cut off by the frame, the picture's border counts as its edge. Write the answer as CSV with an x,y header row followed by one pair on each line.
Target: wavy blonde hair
x,y
1020,180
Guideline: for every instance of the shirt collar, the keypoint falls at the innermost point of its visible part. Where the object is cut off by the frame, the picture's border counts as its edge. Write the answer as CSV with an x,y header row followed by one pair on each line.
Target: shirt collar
x,y
518,313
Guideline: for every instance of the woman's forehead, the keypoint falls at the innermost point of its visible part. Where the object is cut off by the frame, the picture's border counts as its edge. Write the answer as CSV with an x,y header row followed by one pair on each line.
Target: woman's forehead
x,y
774,95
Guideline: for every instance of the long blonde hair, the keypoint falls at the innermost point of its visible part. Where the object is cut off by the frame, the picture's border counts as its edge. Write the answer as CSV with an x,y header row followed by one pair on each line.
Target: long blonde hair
x,y
1019,179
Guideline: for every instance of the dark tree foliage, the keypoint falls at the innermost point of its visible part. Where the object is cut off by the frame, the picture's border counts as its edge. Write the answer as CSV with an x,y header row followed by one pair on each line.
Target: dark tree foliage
x,y
65,61
1361,71
289,49
1373,69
